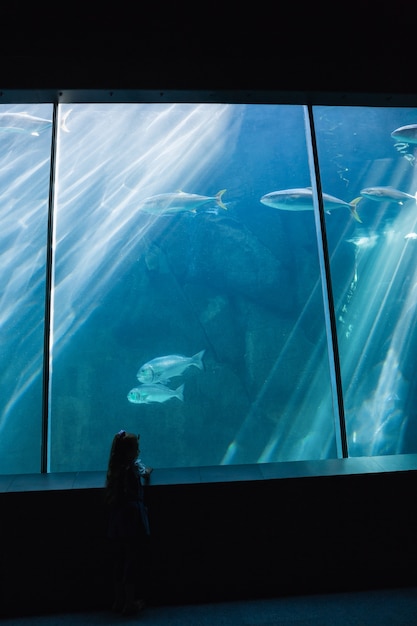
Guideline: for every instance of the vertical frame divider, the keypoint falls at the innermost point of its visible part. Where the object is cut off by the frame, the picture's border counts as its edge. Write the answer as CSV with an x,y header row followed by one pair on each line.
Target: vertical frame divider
x,y
48,297
328,302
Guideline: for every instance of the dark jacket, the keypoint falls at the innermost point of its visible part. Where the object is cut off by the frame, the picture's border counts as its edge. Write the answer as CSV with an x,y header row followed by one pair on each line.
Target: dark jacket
x,y
128,516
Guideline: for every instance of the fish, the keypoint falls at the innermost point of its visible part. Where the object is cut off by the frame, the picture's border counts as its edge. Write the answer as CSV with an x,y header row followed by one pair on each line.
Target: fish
x,y
410,236
302,200
179,202
24,123
391,397
163,368
407,134
387,194
146,394
363,241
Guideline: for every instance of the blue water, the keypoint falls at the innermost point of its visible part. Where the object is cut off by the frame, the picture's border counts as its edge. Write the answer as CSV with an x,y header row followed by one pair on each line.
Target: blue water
x,y
243,284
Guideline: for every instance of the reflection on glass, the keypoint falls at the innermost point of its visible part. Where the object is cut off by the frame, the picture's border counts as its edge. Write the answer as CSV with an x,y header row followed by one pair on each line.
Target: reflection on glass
x,y
184,307
25,147
370,153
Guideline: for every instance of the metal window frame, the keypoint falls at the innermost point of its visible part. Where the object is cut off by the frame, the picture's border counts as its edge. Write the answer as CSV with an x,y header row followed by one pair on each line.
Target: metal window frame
x,y
273,97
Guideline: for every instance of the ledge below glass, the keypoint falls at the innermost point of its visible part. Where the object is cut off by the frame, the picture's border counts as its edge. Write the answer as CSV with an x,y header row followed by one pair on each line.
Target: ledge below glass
x,y
63,481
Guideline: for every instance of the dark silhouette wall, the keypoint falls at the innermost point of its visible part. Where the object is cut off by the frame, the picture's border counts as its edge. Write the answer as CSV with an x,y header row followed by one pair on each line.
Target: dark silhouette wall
x,y
215,542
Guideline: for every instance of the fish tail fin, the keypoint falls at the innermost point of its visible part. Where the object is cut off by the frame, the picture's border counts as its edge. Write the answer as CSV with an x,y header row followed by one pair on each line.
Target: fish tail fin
x,y
198,360
179,392
64,126
219,199
353,210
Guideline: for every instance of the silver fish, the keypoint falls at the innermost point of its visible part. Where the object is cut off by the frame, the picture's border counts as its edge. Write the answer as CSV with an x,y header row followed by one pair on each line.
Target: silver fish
x,y
410,236
25,123
364,242
179,202
302,200
387,194
145,394
163,368
407,134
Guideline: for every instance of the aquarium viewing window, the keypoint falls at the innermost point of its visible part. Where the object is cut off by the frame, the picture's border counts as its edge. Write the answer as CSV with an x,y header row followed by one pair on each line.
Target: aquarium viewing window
x,y
237,282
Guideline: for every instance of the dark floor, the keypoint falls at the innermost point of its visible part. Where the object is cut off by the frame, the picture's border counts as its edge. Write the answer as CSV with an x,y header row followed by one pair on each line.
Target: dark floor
x,y
393,607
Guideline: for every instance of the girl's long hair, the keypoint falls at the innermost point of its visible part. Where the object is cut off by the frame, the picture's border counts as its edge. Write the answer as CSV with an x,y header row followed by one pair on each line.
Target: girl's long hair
x,y
123,453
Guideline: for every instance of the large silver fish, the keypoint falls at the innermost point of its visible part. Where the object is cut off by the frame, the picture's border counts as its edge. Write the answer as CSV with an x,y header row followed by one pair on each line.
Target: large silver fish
x,y
302,200
25,123
179,202
163,368
146,394
387,194
406,134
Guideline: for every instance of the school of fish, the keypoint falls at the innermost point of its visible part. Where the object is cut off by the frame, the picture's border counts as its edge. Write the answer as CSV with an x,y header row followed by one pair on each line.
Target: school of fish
x,y
295,199
301,199
155,375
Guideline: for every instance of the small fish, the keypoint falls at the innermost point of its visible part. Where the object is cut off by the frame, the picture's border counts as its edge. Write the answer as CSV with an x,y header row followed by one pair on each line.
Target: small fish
x,y
391,397
407,134
302,200
29,124
145,394
364,242
179,202
387,194
410,236
163,368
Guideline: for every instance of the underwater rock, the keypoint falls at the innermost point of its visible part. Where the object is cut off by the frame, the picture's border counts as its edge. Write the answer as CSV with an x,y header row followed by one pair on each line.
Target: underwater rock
x,y
275,353
228,257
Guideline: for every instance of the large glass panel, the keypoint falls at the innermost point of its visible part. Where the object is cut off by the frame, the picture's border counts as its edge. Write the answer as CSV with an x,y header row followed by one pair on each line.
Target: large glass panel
x,y
25,148
366,153
185,308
